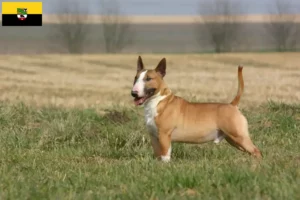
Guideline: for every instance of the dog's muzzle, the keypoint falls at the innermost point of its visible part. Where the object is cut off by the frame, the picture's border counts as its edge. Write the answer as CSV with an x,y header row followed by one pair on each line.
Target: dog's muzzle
x,y
134,94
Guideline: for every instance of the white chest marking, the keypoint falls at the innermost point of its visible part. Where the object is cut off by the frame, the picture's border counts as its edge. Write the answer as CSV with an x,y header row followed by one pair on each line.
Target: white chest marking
x,y
151,112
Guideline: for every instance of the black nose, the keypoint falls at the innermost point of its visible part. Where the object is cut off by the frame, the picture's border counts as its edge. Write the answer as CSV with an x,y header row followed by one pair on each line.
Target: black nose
x,y
134,94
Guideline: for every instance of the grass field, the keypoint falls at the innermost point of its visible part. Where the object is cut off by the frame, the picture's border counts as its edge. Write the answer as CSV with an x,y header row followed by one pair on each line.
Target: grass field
x,y
104,80
53,153
69,130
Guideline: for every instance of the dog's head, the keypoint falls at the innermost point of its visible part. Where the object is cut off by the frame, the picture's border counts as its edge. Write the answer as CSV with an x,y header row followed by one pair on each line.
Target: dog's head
x,y
147,82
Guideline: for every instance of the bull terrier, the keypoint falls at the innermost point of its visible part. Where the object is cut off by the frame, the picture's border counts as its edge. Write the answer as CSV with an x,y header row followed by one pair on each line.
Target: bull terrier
x,y
170,118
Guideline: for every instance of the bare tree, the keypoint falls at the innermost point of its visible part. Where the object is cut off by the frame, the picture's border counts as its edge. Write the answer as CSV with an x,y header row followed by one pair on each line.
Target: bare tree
x,y
72,29
282,26
219,21
116,28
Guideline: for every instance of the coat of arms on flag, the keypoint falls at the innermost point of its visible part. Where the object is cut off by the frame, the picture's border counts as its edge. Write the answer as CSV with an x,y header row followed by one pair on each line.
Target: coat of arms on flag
x,y
22,13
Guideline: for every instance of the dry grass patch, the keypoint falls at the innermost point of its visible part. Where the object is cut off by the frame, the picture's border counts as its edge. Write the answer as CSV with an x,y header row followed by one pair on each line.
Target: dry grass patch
x,y
104,80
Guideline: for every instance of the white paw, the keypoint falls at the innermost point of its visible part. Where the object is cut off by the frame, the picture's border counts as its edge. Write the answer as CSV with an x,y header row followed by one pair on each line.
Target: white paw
x,y
165,158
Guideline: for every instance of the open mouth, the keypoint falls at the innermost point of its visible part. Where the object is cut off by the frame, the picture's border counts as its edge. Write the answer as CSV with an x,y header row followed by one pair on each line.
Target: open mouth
x,y
140,100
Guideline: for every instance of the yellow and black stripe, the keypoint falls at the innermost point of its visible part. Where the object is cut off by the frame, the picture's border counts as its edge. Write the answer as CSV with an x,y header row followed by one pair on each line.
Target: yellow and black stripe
x,y
11,17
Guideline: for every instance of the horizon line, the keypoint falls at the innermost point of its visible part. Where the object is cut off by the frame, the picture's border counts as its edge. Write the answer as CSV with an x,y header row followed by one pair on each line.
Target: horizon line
x,y
142,19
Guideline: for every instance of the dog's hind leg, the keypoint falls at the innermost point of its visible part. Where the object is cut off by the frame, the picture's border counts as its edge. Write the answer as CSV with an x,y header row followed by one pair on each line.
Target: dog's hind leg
x,y
238,137
244,143
233,143
222,135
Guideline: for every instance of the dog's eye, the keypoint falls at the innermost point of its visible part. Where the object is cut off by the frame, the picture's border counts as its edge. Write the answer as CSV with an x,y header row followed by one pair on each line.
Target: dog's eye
x,y
148,79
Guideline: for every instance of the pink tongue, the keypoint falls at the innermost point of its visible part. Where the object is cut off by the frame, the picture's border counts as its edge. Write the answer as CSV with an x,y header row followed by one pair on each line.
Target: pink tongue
x,y
138,102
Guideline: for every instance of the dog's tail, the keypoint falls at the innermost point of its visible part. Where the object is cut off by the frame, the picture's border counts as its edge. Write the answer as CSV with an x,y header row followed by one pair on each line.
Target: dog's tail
x,y
237,98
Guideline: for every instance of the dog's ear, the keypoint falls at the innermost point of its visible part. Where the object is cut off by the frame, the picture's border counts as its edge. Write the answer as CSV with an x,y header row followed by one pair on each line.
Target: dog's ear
x,y
161,67
140,64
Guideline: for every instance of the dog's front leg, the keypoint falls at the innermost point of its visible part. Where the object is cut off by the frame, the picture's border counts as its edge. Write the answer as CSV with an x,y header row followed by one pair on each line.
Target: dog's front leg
x,y
165,146
155,146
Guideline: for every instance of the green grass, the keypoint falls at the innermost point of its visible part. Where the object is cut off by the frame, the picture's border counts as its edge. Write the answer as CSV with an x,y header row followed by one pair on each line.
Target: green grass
x,y
54,153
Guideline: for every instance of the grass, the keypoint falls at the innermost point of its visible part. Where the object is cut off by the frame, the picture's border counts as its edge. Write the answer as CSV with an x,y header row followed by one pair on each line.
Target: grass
x,y
103,80
69,131
71,153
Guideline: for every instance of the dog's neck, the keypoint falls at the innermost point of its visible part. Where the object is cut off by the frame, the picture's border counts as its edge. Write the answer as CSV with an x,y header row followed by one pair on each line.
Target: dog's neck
x,y
153,101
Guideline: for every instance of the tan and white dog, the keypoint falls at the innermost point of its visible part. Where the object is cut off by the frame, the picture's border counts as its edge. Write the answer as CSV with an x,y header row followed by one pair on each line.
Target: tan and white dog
x,y
171,118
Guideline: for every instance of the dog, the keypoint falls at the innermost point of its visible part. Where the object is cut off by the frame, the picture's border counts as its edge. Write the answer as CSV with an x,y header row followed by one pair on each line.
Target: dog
x,y
170,118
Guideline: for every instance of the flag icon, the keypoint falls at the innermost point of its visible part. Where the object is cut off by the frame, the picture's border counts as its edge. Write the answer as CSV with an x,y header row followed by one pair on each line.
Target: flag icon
x,y
22,13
